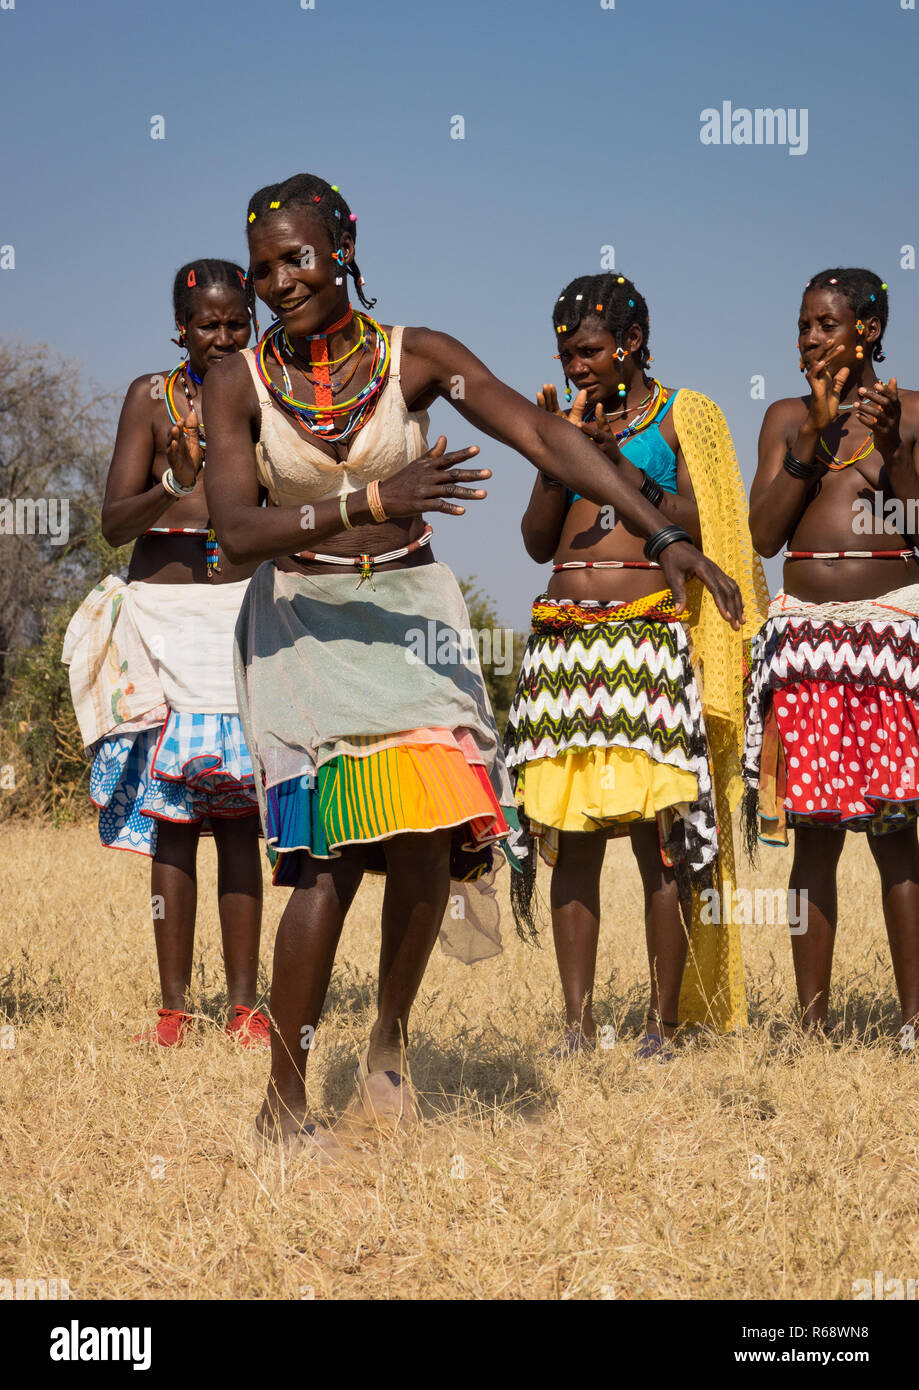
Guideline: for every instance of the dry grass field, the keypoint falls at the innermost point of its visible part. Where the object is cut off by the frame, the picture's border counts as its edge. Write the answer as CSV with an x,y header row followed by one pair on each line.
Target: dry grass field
x,y
756,1166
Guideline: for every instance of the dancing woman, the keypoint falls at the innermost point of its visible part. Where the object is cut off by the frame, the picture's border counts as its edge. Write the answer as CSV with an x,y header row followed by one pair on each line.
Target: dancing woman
x,y
833,726
370,756
608,733
151,666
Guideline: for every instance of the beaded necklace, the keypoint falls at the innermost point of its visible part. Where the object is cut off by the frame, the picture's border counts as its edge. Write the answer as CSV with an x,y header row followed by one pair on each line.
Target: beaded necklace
x,y
183,370
836,465
647,418
333,361
322,380
334,421
641,422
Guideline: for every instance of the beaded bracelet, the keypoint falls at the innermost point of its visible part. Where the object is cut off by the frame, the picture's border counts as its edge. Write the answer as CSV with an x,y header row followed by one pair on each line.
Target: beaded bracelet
x,y
668,535
797,468
174,487
651,489
373,501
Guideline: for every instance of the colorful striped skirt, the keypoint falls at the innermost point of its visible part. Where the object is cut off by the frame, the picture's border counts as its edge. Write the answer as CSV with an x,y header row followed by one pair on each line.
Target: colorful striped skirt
x,y
368,717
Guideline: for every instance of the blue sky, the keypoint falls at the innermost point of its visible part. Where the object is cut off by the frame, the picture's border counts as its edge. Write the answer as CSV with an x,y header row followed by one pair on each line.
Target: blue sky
x,y
582,129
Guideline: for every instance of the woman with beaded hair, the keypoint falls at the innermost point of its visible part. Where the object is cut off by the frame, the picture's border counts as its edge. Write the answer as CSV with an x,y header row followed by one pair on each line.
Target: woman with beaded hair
x,y
151,666
373,753
610,732
833,725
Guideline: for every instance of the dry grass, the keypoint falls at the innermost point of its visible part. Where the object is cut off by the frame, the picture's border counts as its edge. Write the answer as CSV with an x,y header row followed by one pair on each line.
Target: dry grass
x,y
591,1179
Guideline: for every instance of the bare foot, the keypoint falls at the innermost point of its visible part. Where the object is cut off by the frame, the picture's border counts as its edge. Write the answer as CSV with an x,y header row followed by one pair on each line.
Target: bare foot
x,y
386,1054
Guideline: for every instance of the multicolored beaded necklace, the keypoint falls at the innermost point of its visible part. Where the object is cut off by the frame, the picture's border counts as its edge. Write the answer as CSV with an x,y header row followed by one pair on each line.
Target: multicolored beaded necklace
x,y
641,422
183,370
836,465
334,421
657,399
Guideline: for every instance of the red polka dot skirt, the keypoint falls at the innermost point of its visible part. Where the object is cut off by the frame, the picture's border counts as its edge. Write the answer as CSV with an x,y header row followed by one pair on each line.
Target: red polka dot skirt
x,y
851,753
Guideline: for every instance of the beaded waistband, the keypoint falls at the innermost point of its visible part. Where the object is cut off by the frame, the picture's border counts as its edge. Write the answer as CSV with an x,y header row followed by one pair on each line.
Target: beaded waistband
x,y
606,565
553,615
849,554
365,562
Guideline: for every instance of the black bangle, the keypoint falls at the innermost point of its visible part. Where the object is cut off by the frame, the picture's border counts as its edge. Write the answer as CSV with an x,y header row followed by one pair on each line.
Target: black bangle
x,y
799,469
661,539
650,489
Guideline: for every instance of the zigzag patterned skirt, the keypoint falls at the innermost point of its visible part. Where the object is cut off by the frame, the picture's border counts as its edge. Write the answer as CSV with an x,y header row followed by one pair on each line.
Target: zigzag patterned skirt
x,y
832,729
606,729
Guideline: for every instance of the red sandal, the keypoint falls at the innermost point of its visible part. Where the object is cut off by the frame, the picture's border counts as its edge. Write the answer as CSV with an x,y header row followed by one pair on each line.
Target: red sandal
x,y
170,1030
249,1027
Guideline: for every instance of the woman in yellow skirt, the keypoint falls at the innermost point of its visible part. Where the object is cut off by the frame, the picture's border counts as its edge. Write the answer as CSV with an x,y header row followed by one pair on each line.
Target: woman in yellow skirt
x,y
609,733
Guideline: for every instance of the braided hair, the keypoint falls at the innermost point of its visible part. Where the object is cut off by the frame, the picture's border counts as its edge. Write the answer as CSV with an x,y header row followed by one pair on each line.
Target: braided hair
x,y
205,275
864,292
325,202
610,299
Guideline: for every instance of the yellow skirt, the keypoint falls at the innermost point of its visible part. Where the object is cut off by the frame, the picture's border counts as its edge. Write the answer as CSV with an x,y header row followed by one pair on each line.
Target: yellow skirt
x,y
598,788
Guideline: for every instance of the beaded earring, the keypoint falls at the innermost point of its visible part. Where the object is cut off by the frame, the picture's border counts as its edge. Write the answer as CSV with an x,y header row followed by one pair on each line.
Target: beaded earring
x,y
567,390
859,350
620,355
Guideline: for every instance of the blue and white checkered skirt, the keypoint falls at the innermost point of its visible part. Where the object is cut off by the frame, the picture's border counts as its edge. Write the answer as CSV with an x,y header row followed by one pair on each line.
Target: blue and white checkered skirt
x,y
192,768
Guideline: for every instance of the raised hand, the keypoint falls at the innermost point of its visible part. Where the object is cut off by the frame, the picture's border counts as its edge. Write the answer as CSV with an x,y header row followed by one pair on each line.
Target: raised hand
x,y
426,483
879,408
547,399
183,452
598,429
826,387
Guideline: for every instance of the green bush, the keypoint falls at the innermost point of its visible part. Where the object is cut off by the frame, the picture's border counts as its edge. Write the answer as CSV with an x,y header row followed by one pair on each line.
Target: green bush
x,y
40,738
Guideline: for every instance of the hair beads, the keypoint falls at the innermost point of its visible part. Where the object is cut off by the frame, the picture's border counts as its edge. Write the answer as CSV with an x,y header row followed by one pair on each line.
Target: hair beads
x,y
866,295
325,202
204,275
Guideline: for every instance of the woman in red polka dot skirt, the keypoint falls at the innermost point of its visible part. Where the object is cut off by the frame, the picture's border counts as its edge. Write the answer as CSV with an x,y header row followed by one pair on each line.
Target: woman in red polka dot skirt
x,y
832,740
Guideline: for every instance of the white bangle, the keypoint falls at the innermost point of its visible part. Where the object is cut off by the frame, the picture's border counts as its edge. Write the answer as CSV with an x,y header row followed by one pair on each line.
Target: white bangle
x,y
174,487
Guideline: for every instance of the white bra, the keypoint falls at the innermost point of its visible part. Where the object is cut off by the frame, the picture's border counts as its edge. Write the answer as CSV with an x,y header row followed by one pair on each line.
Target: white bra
x,y
294,470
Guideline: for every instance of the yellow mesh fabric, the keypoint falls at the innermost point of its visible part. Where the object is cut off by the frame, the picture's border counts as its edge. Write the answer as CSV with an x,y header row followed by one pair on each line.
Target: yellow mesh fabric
x,y
713,985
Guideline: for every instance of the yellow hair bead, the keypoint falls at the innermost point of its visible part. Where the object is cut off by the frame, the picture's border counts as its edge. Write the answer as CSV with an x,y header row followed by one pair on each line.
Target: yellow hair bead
x,y
334,187
274,205
251,216
884,285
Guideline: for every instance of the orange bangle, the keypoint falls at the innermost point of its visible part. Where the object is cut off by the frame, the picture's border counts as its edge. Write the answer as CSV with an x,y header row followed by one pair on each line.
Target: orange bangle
x,y
374,503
